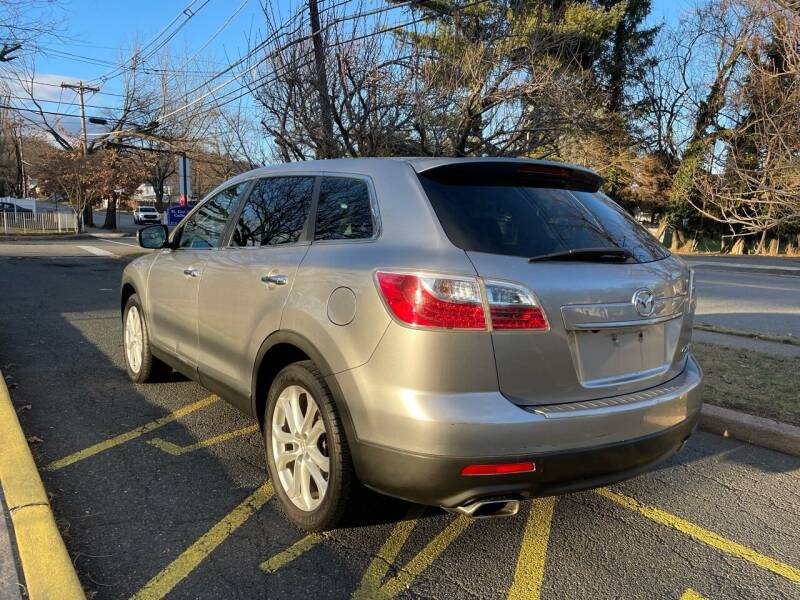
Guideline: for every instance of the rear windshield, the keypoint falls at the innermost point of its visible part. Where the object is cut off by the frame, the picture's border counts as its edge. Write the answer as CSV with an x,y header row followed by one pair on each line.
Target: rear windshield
x,y
521,220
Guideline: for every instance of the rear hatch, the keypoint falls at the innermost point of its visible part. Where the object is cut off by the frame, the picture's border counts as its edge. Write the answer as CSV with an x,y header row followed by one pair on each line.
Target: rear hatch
x,y
616,302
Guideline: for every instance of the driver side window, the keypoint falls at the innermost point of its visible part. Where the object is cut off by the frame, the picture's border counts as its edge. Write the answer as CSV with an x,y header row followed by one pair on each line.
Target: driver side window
x,y
205,227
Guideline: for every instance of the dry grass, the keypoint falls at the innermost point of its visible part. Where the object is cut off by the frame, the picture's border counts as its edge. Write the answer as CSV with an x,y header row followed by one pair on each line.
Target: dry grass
x,y
752,382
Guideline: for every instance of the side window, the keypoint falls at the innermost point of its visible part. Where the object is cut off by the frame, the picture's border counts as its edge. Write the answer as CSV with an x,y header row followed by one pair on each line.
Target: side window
x,y
206,226
275,212
344,211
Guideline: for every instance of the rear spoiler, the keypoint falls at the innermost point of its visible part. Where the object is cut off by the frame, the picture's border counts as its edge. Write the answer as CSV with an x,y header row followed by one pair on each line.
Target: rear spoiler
x,y
524,172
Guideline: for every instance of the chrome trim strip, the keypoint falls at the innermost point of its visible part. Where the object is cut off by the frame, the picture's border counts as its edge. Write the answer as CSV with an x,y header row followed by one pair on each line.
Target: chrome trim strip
x,y
570,408
623,324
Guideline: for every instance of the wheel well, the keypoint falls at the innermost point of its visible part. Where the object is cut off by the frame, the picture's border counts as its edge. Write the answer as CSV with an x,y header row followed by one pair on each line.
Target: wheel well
x,y
127,291
276,358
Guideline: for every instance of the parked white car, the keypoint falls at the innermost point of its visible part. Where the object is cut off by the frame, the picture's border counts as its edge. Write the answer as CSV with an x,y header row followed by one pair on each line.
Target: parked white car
x,y
146,215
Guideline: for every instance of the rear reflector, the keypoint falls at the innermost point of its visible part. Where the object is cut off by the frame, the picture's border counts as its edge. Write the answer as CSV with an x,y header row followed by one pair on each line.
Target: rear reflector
x,y
501,469
433,301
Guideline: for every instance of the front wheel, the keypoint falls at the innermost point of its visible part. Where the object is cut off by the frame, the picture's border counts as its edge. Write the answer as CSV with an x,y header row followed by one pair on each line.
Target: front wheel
x,y
307,453
140,363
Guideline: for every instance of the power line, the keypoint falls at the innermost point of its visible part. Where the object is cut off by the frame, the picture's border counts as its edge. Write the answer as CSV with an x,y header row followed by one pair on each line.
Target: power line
x,y
145,53
33,82
262,80
46,112
294,43
34,99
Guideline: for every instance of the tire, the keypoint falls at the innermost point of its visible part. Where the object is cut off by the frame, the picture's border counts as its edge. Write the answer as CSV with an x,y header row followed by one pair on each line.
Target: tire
x,y
148,367
318,511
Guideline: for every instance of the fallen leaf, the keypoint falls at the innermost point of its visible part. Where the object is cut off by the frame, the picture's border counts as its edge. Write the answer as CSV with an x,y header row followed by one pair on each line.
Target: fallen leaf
x,y
35,439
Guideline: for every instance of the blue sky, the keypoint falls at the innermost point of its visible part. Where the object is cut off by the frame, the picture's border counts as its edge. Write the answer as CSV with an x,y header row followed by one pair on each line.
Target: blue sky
x,y
103,32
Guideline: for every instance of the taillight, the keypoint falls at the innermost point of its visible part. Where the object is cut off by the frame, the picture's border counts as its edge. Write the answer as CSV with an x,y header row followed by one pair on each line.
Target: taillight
x,y
454,302
512,306
432,300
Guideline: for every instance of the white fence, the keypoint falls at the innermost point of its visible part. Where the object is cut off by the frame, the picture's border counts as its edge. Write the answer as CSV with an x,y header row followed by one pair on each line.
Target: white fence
x,y
28,222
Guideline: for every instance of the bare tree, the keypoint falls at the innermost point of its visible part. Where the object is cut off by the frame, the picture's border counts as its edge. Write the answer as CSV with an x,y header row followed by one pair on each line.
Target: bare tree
x,y
752,183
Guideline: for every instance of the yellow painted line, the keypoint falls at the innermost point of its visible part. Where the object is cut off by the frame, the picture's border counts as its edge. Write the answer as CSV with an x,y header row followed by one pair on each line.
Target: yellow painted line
x,y
46,564
529,573
176,450
129,435
160,585
372,586
294,551
704,535
690,594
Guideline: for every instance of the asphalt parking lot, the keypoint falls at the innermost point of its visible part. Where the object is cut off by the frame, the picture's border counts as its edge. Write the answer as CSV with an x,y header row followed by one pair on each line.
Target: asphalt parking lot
x,y
159,490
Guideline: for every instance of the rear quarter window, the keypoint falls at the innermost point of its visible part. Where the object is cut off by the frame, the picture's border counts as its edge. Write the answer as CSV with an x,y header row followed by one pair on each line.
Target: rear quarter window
x,y
522,220
344,211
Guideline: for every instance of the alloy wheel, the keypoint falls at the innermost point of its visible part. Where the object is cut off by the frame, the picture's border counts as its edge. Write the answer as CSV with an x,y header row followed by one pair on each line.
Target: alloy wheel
x,y
300,447
134,339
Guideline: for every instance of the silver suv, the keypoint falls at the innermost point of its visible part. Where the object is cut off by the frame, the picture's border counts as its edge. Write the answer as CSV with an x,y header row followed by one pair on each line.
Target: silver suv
x,y
456,332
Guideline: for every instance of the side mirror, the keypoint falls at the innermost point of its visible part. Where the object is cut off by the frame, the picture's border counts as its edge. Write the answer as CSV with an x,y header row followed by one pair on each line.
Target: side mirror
x,y
153,237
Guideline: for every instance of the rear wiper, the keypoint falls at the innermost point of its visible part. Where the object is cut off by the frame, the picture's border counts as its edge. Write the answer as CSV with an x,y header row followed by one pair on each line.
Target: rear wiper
x,y
587,254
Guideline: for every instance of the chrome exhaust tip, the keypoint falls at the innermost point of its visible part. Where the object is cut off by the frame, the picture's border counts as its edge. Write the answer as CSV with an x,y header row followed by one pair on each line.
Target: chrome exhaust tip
x,y
485,509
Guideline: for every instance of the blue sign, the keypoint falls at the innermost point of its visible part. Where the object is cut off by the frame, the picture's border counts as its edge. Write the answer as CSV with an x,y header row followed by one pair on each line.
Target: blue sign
x,y
176,214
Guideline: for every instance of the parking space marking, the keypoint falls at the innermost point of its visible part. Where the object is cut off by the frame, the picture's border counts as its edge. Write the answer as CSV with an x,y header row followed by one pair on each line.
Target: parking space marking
x,y
529,573
160,585
372,586
703,535
129,435
176,450
690,594
294,551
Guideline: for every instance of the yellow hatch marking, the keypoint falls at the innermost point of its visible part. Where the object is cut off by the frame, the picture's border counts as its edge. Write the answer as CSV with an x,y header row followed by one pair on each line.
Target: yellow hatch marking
x,y
176,450
372,586
690,594
160,585
294,551
704,535
529,573
129,435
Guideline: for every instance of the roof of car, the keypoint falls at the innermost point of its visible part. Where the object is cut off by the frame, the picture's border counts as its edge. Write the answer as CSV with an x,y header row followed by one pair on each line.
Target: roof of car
x,y
419,163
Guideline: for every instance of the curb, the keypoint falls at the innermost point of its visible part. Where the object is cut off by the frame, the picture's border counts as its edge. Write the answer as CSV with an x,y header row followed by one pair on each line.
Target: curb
x,y
46,564
758,431
756,335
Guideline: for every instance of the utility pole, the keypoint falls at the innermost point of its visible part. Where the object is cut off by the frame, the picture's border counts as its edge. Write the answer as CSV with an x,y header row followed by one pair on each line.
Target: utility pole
x,y
328,149
80,88
87,215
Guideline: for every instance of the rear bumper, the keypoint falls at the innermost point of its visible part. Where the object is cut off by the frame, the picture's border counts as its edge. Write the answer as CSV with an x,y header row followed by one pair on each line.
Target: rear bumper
x,y
437,480
572,451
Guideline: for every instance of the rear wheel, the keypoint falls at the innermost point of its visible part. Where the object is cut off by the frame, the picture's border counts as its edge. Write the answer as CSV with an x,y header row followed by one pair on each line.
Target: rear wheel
x,y
307,453
140,363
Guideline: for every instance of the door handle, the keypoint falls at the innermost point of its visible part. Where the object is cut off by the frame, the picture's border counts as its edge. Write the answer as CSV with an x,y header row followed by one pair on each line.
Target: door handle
x,y
191,272
276,279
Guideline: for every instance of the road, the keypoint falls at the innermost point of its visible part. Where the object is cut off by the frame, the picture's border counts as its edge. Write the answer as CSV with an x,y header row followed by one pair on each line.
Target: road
x,y
749,293
160,488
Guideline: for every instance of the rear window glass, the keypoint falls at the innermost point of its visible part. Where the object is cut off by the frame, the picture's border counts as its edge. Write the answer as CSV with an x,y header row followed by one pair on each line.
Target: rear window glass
x,y
520,220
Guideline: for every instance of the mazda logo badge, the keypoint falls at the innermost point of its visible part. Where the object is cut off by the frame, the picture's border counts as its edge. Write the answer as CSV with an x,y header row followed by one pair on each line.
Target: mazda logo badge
x,y
644,302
